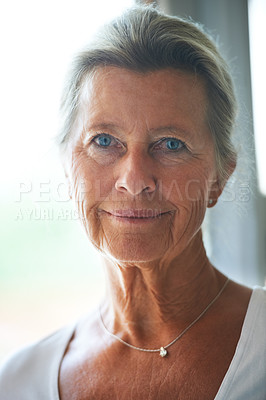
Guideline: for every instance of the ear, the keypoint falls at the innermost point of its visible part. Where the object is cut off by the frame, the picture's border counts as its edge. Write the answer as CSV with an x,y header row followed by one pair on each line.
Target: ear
x,y
69,186
217,186
66,173
214,193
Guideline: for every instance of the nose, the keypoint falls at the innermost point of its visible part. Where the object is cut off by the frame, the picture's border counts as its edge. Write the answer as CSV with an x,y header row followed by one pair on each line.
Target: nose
x,y
135,174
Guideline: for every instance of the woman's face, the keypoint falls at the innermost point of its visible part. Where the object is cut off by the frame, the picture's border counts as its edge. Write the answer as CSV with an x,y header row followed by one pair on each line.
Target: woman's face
x,y
141,162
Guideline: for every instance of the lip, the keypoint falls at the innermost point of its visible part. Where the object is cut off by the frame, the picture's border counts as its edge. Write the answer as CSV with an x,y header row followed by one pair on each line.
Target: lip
x,y
136,215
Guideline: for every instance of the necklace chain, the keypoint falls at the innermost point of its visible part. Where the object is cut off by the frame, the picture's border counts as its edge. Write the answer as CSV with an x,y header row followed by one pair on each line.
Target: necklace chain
x,y
162,350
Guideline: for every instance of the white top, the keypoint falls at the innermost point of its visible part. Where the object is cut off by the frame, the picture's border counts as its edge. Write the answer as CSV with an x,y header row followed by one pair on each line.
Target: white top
x,y
32,373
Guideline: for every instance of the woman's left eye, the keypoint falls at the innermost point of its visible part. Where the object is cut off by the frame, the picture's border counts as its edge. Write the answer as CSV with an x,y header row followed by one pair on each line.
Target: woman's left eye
x,y
171,144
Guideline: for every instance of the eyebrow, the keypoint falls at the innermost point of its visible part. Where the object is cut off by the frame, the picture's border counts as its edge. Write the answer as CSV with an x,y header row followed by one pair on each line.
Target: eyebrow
x,y
175,129
102,127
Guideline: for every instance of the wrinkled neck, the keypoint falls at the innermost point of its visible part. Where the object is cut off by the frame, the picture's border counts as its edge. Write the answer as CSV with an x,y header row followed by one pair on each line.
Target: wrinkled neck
x,y
159,296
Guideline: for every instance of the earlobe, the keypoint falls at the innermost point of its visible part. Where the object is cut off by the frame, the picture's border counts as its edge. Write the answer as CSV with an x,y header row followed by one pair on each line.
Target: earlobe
x,y
217,186
212,202
66,173
68,182
69,186
69,190
214,193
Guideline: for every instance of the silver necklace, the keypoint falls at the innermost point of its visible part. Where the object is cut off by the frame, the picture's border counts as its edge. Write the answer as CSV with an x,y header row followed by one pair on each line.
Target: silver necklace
x,y
162,350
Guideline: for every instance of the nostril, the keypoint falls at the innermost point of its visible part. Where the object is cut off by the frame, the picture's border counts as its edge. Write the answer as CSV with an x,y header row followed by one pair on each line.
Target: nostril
x,y
134,174
135,187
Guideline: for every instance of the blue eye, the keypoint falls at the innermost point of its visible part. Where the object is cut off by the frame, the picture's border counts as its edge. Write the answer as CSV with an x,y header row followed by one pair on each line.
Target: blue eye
x,y
173,144
103,140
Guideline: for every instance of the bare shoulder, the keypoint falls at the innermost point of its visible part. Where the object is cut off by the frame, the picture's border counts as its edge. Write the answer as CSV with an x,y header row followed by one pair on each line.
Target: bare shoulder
x,y
86,337
230,310
237,297
82,351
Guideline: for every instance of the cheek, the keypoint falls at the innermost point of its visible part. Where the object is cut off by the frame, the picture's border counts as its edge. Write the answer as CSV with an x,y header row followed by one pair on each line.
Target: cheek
x,y
91,182
187,222
196,190
90,186
187,191
185,187
104,157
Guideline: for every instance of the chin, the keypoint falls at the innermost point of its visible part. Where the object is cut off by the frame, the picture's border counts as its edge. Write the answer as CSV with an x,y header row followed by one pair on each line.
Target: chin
x,y
130,250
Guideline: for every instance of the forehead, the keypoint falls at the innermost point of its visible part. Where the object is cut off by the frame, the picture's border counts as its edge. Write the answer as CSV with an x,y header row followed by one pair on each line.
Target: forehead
x,y
158,98
170,81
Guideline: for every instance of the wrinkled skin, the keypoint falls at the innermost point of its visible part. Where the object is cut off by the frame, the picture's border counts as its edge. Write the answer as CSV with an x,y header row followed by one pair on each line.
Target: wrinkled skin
x,y
137,171
141,169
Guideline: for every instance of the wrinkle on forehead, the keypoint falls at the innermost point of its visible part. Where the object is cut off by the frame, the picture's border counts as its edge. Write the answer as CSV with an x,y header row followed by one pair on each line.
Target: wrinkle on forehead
x,y
101,85
96,80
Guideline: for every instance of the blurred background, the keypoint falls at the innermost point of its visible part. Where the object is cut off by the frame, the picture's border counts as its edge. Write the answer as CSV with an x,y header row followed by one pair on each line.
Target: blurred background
x,y
49,273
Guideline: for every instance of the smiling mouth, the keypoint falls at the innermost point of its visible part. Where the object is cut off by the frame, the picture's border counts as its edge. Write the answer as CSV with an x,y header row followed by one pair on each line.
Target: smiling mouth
x,y
137,214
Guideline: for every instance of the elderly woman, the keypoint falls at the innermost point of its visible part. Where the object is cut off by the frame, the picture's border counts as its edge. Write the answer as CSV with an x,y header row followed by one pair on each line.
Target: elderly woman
x,y
146,143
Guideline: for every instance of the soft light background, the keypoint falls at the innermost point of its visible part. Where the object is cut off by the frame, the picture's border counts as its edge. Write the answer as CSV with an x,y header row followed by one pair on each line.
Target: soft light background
x,y
49,275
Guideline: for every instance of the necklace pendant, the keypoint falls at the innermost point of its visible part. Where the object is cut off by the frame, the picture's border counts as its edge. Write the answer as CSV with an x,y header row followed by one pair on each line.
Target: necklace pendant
x,y
163,352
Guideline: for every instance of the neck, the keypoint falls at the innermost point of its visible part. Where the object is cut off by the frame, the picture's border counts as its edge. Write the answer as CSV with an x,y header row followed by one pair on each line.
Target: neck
x,y
150,302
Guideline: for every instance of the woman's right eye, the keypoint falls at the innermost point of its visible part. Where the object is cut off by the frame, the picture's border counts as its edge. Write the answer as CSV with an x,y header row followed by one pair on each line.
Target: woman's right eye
x,y
104,148
104,140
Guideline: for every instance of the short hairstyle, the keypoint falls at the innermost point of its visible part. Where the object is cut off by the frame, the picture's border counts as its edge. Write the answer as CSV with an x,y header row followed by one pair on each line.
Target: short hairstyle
x,y
144,39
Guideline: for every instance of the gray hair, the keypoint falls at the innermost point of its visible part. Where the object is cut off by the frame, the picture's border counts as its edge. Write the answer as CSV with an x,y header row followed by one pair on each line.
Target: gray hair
x,y
143,39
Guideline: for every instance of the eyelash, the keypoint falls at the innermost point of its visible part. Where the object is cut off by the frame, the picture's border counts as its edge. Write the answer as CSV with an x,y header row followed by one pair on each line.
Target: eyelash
x,y
153,146
165,139
103,135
